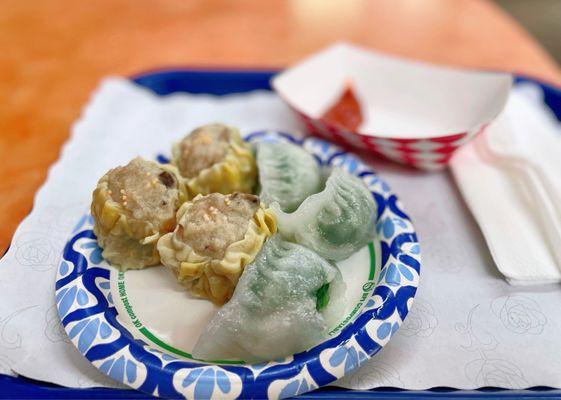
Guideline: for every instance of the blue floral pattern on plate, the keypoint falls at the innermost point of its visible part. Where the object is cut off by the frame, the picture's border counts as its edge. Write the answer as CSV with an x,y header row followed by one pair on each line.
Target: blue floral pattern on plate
x,y
89,316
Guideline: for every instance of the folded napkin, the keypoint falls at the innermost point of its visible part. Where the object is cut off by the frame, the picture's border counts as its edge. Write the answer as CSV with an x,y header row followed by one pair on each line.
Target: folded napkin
x,y
510,178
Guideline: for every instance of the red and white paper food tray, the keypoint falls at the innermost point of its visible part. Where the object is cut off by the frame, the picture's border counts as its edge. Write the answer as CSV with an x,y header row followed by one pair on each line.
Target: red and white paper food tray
x,y
412,112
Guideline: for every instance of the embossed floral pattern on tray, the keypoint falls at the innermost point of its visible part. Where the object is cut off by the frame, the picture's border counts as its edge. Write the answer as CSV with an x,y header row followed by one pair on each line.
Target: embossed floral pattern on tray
x,y
90,319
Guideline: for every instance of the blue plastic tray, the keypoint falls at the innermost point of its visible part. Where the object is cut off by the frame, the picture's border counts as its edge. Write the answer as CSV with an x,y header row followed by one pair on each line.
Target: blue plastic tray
x,y
220,82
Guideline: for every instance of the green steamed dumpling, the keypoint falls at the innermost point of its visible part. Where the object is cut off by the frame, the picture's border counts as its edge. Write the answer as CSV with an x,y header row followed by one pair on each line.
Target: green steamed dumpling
x,y
286,301
288,174
336,222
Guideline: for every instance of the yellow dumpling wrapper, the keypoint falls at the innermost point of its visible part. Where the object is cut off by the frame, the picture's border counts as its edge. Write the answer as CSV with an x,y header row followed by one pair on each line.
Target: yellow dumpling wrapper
x,y
207,277
236,171
129,242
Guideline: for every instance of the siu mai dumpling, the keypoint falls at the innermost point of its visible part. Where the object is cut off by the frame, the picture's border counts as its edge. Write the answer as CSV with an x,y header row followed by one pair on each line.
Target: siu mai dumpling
x,y
286,301
132,207
335,222
216,237
288,174
214,158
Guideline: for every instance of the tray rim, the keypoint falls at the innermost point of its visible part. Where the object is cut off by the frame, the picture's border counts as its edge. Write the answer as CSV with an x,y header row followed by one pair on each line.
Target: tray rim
x,y
23,387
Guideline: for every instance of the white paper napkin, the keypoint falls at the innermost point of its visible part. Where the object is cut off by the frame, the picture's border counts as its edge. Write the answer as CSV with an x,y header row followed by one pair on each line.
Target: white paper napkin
x,y
468,328
510,178
121,122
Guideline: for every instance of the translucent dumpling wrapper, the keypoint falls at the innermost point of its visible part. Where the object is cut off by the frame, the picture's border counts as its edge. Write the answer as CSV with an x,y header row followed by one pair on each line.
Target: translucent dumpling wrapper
x,y
132,206
286,302
216,237
335,222
215,159
288,174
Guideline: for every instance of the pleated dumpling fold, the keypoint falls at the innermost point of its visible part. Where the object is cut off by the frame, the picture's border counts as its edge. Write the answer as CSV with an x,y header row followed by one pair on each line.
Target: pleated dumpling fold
x,y
335,222
132,206
288,174
287,300
215,238
215,159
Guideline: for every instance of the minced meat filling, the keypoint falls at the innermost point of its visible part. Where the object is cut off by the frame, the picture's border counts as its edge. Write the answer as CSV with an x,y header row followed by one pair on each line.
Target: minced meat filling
x,y
145,191
216,221
203,148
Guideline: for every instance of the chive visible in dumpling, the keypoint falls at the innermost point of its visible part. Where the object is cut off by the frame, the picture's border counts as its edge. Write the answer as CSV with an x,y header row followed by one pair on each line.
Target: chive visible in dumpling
x,y
288,174
335,222
322,297
286,301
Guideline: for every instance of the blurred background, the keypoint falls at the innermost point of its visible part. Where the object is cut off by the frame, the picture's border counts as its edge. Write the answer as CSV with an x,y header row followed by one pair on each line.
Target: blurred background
x,y
56,52
542,18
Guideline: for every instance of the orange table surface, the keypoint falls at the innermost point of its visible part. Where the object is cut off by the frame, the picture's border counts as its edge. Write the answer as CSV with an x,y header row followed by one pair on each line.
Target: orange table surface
x,y
55,52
